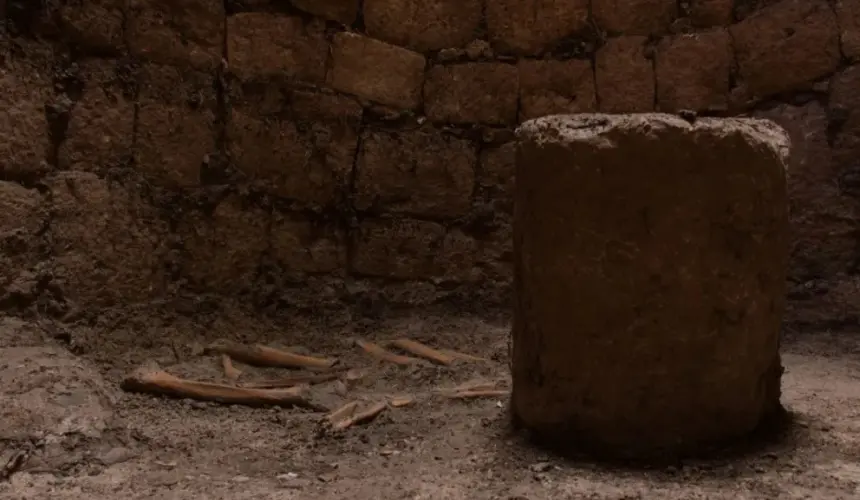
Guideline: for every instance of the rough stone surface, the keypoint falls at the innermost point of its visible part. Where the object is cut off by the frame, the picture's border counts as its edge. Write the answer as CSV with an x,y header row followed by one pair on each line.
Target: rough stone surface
x,y
223,250
175,125
823,218
533,26
376,71
342,11
180,32
96,25
556,87
472,93
24,144
262,46
22,219
423,24
634,17
786,46
693,71
108,242
848,16
674,385
624,76
709,13
308,157
101,126
496,177
303,245
325,113
844,103
421,173
412,249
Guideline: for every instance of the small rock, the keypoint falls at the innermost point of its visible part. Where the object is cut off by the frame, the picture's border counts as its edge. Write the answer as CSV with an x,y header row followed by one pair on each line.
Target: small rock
x,y
116,455
241,479
541,467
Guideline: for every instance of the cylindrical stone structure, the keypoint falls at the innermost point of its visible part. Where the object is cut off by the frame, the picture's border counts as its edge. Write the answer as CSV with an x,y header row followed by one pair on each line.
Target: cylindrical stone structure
x,y
650,259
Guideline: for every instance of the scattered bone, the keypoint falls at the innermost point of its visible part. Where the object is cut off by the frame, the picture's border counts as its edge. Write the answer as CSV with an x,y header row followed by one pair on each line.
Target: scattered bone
x,y
344,412
401,401
260,355
294,380
361,417
474,385
231,372
423,351
462,356
163,383
380,353
483,393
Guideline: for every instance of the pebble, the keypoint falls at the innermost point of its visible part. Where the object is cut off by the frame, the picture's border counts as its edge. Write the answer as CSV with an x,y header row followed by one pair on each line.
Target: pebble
x,y
117,455
541,467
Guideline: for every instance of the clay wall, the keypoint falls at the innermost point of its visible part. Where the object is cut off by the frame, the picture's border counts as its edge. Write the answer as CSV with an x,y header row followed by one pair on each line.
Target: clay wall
x,y
359,151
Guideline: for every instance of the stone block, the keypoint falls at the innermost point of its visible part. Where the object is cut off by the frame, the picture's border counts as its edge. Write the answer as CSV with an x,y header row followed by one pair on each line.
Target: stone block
x,y
625,76
590,250
421,173
423,25
342,11
307,157
94,25
472,93
786,47
25,143
412,249
530,27
177,32
357,68
848,17
223,251
107,241
306,246
266,46
711,13
555,87
693,71
101,126
176,125
634,17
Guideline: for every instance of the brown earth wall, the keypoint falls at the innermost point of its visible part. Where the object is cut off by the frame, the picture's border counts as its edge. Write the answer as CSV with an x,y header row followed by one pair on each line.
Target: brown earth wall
x,y
314,152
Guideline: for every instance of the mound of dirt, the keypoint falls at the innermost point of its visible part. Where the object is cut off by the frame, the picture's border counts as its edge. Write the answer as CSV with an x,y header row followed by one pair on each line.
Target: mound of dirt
x,y
47,391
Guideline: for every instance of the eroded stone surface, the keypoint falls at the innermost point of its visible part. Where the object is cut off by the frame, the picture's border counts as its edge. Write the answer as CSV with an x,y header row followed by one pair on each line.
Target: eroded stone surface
x,y
786,46
356,64
711,195
438,182
423,24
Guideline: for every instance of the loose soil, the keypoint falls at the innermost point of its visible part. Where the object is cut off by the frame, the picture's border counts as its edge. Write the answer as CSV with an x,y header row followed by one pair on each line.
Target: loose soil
x,y
74,434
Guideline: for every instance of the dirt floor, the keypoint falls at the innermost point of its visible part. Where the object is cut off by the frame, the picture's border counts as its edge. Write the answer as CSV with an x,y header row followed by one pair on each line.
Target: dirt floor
x,y
74,434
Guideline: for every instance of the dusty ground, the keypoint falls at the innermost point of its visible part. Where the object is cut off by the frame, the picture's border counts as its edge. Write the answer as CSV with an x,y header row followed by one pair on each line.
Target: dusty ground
x,y
76,435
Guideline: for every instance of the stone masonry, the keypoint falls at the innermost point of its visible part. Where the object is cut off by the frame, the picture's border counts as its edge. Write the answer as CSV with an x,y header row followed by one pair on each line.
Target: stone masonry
x,y
360,151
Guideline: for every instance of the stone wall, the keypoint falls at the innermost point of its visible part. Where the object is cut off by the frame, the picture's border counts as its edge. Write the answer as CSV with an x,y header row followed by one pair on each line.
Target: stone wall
x,y
358,151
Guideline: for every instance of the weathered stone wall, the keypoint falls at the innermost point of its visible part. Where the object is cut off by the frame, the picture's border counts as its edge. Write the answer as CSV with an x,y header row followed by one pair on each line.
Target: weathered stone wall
x,y
360,150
